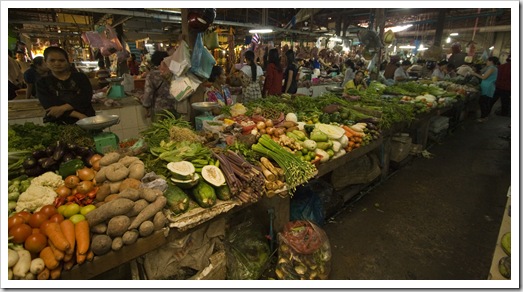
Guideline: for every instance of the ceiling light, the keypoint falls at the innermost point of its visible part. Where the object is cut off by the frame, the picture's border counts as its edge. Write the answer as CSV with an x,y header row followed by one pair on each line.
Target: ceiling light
x,y
398,28
407,47
261,30
491,48
448,40
454,34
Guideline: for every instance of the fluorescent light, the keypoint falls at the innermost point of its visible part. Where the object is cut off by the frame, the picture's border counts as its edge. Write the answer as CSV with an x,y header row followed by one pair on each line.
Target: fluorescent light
x,y
449,40
491,48
454,34
398,28
423,49
261,30
407,47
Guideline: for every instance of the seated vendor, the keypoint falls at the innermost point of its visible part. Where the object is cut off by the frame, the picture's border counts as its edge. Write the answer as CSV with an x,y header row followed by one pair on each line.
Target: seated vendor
x,y
357,83
218,90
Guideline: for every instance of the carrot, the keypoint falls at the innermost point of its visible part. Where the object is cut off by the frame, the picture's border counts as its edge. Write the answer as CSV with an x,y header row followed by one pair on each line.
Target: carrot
x,y
44,274
48,256
90,256
80,258
68,257
353,132
55,234
58,254
69,264
82,236
56,272
67,227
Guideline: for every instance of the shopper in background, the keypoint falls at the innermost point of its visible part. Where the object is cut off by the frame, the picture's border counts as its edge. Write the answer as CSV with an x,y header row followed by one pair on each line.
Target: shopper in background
x,y
21,58
488,78
458,57
291,74
503,88
157,96
273,74
102,74
451,72
218,91
251,78
391,68
37,70
350,71
15,76
439,72
401,72
357,83
134,66
64,94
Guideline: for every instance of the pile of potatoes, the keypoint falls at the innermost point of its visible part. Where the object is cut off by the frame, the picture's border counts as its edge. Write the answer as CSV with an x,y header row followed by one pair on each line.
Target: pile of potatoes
x,y
125,211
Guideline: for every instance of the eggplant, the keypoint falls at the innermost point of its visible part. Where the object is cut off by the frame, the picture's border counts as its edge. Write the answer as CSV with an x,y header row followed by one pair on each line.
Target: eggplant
x,y
30,162
68,156
49,150
71,146
49,163
42,160
35,171
37,154
59,151
82,151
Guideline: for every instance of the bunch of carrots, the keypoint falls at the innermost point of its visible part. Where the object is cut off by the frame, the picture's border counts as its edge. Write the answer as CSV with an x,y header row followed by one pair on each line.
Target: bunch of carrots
x,y
68,244
356,137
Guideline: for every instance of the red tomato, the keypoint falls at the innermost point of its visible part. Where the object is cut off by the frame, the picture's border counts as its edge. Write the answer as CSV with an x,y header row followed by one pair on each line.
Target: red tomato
x,y
26,215
37,219
43,226
20,233
35,242
57,218
48,210
14,220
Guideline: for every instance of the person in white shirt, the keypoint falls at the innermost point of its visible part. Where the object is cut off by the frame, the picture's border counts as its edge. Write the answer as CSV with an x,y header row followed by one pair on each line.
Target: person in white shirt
x,y
401,73
251,78
439,71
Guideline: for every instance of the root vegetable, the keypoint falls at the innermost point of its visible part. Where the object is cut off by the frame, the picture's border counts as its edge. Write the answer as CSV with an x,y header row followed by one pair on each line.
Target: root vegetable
x,y
55,273
116,172
37,266
130,237
136,171
47,255
67,227
148,212
101,244
23,264
151,194
103,191
111,197
130,193
137,208
146,228
118,225
80,258
29,276
99,229
117,243
10,274
159,220
109,210
100,177
12,258
43,275
128,160
90,256
67,266
58,254
82,236
57,237
115,187
109,158
129,183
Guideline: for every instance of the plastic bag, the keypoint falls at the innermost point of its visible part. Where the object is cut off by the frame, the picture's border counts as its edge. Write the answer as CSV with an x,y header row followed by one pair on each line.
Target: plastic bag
x,y
304,252
182,87
210,40
128,82
307,205
202,60
180,61
247,251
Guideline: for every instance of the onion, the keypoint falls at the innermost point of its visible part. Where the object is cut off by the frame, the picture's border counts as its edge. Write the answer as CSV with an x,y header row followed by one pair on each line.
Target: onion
x,y
63,191
85,173
84,187
96,165
94,158
260,125
269,123
71,181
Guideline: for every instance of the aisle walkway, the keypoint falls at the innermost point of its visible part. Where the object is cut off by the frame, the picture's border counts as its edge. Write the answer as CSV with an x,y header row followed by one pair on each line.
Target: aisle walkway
x,y
434,219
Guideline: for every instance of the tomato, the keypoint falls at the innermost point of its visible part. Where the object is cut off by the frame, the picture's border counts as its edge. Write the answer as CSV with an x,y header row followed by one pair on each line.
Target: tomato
x,y
48,210
57,218
14,220
43,226
26,215
35,242
37,219
20,232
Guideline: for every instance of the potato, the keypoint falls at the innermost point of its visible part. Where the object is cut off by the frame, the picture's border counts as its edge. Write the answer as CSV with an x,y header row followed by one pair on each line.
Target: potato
x,y
109,158
115,187
10,274
136,171
116,172
103,191
127,160
137,208
99,229
131,183
117,243
101,244
118,225
23,264
111,197
159,220
146,228
108,211
130,237
100,177
130,193
29,276
151,194
37,266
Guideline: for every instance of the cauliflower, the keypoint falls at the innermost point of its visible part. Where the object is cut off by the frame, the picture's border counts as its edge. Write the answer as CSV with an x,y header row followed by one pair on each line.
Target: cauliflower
x,y
35,197
48,179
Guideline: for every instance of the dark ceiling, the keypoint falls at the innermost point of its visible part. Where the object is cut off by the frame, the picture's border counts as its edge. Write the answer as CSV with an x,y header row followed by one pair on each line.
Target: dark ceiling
x,y
165,24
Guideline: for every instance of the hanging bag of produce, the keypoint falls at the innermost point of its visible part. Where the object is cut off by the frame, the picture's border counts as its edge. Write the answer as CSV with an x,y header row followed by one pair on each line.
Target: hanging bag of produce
x,y
202,60
304,252
210,40
180,61
182,87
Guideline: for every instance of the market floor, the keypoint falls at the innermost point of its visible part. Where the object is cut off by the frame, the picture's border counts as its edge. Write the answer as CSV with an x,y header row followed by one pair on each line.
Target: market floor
x,y
433,219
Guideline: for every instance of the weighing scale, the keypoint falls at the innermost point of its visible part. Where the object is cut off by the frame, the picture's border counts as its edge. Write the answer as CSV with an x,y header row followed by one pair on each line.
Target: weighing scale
x,y
104,141
116,89
205,108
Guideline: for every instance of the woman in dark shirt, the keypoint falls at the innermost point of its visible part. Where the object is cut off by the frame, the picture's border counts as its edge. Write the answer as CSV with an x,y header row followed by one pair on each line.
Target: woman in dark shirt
x,y
33,74
273,75
291,74
64,94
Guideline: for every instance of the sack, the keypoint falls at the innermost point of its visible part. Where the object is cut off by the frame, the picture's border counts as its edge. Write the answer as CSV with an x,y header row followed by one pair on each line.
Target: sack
x,y
210,40
180,61
183,87
202,60
128,82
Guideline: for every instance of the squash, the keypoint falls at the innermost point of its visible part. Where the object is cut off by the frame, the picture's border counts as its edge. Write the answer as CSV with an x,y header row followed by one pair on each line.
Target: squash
x,y
182,170
213,175
187,184
223,193
177,199
333,132
204,194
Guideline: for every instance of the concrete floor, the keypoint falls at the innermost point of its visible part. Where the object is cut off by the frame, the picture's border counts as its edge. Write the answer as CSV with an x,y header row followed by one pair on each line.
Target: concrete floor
x,y
433,219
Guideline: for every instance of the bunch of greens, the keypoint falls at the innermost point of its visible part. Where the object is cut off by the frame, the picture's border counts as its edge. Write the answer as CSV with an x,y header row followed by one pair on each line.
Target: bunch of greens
x,y
160,130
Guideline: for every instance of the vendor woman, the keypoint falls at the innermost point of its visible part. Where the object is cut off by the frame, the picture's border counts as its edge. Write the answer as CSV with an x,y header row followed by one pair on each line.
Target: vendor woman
x,y
218,90
357,83
64,94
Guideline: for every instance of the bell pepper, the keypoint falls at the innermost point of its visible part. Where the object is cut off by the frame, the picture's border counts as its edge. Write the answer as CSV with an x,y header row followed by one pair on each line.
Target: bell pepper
x,y
70,167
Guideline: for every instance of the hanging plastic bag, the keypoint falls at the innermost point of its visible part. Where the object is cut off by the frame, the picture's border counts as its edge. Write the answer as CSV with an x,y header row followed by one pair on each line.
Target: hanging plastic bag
x,y
202,60
180,61
210,40
182,87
